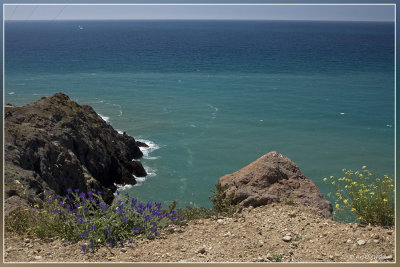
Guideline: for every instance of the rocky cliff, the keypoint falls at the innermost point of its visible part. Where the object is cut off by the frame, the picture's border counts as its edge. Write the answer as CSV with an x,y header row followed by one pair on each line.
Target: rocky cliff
x,y
54,144
272,178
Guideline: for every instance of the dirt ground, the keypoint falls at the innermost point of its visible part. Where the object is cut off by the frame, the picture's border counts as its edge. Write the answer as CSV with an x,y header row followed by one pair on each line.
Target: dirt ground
x,y
276,232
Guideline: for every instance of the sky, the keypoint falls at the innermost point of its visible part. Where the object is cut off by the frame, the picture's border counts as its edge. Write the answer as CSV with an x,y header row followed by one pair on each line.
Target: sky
x,y
180,11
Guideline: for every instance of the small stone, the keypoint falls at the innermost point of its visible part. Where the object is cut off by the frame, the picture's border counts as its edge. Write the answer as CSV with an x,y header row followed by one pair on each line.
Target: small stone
x,y
331,257
38,258
227,234
220,221
201,251
123,250
292,215
361,242
376,241
375,236
183,250
389,232
27,240
387,258
287,238
136,254
349,241
260,259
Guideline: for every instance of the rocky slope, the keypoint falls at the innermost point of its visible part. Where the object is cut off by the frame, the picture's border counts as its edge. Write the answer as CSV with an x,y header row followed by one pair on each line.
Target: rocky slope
x,y
275,232
272,178
54,144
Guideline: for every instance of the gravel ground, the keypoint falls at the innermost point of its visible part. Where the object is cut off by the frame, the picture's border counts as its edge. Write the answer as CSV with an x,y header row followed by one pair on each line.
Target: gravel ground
x,y
276,232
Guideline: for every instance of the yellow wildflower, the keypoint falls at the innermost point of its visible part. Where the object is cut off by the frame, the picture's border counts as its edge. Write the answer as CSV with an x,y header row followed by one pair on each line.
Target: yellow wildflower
x,y
345,201
325,179
36,206
385,200
25,209
372,193
337,206
364,167
333,182
353,209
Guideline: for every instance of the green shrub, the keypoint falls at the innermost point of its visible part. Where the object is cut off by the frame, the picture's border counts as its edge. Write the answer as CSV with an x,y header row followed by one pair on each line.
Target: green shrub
x,y
38,223
363,196
222,204
194,212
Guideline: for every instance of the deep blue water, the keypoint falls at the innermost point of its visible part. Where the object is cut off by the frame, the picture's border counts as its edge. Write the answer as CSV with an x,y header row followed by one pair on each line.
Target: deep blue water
x,y
213,96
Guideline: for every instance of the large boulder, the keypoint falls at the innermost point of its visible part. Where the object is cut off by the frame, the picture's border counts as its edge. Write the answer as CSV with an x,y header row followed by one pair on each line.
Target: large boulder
x,y
272,178
54,144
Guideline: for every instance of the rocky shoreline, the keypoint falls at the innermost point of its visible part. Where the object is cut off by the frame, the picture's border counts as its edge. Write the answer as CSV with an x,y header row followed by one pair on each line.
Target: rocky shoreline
x,y
54,144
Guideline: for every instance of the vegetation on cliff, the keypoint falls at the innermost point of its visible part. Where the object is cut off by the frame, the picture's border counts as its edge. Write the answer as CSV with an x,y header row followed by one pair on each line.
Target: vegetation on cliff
x,y
54,144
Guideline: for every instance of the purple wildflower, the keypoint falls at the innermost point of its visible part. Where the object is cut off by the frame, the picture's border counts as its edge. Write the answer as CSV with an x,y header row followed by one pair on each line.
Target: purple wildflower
x,y
83,248
76,190
69,190
82,195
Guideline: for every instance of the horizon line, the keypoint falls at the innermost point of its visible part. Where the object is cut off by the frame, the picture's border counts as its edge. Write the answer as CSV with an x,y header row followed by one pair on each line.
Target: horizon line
x,y
197,19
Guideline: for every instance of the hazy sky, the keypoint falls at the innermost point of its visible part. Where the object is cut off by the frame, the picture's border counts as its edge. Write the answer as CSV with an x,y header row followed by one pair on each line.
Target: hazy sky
x,y
252,12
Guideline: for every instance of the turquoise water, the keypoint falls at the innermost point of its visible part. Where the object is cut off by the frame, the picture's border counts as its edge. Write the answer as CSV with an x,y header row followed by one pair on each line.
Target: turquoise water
x,y
211,97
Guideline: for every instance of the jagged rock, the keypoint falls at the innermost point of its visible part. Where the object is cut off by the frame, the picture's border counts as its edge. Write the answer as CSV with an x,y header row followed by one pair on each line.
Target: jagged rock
x,y
54,144
271,178
141,144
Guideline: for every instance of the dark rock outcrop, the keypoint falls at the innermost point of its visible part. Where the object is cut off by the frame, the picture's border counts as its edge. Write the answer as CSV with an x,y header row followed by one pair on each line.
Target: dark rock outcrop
x,y
271,178
54,144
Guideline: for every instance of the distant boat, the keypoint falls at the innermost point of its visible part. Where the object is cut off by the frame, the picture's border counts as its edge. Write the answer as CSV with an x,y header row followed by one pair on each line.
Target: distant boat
x,y
80,27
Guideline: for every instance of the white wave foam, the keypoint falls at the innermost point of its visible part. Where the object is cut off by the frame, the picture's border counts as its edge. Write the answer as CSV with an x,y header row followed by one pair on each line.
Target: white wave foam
x,y
105,118
342,113
389,125
122,187
150,173
120,109
214,114
11,93
119,131
147,150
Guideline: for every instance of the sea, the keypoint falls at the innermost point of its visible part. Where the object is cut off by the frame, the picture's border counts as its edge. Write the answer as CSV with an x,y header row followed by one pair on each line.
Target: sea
x,y
210,97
